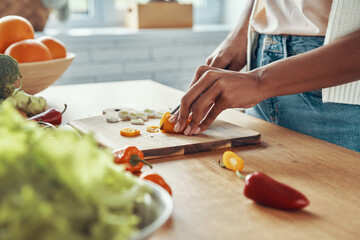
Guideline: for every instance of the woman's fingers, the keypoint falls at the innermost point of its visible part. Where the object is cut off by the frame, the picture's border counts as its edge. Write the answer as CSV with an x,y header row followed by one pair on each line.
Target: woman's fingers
x,y
220,62
235,66
199,72
205,82
200,110
209,60
174,117
211,116
216,90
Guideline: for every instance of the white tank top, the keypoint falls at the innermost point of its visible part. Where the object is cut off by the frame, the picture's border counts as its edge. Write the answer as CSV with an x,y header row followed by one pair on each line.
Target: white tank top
x,y
291,17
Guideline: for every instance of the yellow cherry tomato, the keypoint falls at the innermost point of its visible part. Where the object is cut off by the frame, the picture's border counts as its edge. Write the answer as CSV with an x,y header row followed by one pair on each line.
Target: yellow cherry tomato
x,y
233,161
129,132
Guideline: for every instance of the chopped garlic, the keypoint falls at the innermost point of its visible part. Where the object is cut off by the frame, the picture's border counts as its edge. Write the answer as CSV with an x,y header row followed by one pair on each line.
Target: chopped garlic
x,y
141,115
132,115
123,115
149,112
137,121
111,118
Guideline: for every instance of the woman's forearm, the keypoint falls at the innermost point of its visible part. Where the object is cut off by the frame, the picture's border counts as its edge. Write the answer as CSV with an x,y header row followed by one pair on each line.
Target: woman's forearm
x,y
330,65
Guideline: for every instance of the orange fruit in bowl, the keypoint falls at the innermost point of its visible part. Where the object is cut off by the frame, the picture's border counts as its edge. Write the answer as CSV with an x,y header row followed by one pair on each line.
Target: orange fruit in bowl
x,y
29,50
14,29
55,46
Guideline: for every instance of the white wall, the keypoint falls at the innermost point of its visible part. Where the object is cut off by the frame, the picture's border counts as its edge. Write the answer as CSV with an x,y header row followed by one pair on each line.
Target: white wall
x,y
232,10
167,56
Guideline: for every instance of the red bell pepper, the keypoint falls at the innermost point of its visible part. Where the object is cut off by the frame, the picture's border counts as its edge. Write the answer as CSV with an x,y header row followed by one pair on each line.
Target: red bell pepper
x,y
52,116
266,191
131,157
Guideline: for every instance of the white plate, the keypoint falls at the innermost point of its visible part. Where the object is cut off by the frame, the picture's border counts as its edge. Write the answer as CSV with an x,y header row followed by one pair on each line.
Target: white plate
x,y
154,211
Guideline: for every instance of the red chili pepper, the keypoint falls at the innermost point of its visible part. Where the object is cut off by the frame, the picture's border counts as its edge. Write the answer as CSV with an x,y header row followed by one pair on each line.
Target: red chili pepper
x,y
266,191
52,116
155,178
131,157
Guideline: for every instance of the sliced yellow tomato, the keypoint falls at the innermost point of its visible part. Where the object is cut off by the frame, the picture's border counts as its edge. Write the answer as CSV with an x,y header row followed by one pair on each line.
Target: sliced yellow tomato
x,y
129,132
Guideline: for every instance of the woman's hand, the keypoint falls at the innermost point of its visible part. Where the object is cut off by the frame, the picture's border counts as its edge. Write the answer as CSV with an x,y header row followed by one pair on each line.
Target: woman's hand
x,y
213,91
230,54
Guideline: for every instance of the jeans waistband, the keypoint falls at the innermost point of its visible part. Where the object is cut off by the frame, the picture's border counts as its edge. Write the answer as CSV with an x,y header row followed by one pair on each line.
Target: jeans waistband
x,y
289,44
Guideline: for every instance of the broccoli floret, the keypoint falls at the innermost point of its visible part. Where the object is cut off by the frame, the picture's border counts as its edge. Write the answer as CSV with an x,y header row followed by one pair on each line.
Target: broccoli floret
x,y
9,74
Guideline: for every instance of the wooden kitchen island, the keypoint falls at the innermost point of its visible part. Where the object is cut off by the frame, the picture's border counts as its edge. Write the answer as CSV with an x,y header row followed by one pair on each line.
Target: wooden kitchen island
x,y
208,200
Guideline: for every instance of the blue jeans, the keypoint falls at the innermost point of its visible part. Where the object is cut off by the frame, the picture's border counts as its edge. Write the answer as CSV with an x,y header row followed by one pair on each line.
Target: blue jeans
x,y
304,112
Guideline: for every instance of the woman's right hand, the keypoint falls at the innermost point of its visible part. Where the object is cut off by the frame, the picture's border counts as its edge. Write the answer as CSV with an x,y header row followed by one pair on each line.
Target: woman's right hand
x,y
213,91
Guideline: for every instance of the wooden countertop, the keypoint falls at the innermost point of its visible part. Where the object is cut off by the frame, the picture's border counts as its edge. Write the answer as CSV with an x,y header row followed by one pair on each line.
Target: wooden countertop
x,y
208,200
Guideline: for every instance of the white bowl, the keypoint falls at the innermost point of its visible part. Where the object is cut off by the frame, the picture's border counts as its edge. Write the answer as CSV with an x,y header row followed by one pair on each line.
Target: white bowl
x,y
37,76
154,211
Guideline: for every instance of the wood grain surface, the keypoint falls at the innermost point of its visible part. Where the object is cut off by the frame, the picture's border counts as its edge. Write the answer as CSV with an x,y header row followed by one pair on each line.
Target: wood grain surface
x,y
208,200
220,135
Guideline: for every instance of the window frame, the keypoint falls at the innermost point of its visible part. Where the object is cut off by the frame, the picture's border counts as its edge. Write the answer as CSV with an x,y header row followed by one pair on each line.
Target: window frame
x,y
103,13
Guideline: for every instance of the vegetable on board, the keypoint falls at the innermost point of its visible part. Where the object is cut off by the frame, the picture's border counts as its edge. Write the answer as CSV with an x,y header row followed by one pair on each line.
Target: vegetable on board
x,y
268,192
131,157
142,116
112,118
166,126
129,132
137,121
152,129
123,115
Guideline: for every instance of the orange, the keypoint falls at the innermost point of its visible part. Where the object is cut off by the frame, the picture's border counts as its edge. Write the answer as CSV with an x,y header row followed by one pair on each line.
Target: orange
x,y
29,50
14,29
55,46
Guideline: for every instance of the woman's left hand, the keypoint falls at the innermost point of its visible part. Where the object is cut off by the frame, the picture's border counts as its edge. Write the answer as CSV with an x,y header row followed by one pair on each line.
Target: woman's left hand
x,y
214,90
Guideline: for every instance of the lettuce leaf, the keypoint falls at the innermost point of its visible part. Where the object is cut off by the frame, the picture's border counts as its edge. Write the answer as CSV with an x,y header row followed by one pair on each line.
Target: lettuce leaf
x,y
55,184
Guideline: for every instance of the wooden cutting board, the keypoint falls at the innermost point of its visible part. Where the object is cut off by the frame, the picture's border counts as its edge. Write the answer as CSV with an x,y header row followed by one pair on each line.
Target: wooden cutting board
x,y
219,135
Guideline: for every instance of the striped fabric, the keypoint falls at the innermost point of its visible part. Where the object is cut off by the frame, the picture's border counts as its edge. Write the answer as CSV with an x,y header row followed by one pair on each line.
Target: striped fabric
x,y
344,19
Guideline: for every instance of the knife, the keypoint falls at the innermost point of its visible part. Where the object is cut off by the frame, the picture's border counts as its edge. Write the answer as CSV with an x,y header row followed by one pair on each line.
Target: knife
x,y
172,112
